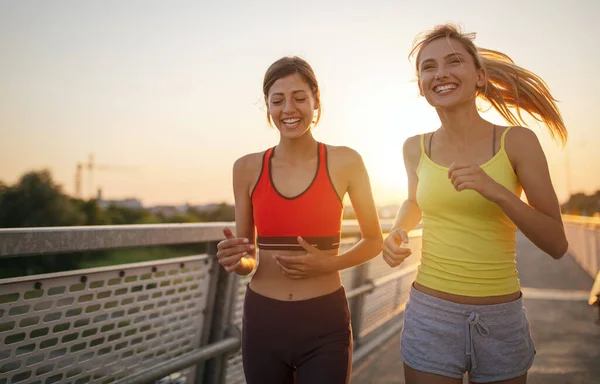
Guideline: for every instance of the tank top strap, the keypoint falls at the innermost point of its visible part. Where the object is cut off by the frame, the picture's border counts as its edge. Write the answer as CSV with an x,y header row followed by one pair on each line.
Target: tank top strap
x,y
423,154
503,137
322,153
322,158
266,164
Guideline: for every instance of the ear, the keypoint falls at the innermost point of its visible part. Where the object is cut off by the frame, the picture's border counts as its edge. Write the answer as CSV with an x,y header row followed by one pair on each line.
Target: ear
x,y
481,78
420,88
317,103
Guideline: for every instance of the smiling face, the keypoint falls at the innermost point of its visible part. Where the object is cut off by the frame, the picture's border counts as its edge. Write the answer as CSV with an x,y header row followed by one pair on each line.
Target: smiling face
x,y
291,105
448,75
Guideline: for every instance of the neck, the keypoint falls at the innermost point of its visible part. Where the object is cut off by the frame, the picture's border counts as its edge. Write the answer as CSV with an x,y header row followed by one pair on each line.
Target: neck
x,y
462,124
299,148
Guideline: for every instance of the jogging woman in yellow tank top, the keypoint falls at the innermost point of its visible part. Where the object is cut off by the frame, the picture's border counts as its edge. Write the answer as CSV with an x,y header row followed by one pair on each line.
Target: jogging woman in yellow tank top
x,y
465,311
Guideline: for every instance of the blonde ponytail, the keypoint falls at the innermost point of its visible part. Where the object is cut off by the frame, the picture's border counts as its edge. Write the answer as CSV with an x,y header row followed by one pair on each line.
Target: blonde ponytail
x,y
507,85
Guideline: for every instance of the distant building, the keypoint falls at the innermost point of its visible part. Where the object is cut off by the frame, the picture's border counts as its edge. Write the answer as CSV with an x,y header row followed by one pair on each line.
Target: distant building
x,y
124,203
165,210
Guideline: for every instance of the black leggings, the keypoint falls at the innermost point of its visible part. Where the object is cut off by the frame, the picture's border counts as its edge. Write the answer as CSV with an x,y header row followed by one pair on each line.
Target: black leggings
x,y
302,342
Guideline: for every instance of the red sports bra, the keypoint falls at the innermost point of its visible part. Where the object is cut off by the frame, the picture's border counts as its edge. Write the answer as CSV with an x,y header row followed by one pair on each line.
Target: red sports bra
x,y
315,214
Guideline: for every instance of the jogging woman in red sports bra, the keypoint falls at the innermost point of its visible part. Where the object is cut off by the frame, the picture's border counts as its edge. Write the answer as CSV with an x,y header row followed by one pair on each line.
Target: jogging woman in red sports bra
x,y
288,203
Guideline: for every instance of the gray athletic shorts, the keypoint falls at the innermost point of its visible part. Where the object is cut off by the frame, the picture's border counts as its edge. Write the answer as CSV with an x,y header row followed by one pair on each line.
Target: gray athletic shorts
x,y
490,342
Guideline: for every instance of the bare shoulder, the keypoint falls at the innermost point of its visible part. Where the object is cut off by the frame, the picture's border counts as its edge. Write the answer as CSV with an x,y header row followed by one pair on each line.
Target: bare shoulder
x,y
340,156
412,151
522,143
248,166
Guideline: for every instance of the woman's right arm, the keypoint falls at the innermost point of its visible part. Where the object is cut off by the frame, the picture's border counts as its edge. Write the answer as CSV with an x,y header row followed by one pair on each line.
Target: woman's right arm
x,y
409,214
238,253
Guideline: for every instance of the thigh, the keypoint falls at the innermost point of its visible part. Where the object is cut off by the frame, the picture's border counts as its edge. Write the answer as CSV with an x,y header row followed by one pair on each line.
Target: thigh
x,y
327,360
506,352
433,341
413,376
263,359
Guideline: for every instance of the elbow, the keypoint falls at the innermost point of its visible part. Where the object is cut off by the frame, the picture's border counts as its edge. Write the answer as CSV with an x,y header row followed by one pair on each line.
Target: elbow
x,y
560,250
379,242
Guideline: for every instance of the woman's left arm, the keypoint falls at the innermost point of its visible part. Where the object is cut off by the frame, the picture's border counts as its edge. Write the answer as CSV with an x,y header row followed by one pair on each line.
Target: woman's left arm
x,y
361,197
540,220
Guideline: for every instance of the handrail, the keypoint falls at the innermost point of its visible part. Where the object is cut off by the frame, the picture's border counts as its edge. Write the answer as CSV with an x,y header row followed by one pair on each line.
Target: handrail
x,y
372,284
591,220
228,345
53,240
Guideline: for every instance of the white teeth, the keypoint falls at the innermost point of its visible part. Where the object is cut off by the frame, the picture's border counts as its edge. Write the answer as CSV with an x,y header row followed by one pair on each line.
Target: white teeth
x,y
445,88
291,121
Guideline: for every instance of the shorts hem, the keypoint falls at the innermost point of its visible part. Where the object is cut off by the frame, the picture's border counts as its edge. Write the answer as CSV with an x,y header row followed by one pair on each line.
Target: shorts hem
x,y
430,370
491,379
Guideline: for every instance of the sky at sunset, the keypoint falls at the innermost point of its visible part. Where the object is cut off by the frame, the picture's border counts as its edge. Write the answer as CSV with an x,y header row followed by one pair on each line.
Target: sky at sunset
x,y
167,94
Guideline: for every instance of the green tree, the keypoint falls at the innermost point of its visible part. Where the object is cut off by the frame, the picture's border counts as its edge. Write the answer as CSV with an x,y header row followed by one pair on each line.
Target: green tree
x,y
582,204
36,201
94,214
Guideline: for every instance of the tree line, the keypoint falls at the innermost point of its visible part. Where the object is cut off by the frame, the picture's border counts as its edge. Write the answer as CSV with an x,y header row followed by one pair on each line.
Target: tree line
x,y
36,200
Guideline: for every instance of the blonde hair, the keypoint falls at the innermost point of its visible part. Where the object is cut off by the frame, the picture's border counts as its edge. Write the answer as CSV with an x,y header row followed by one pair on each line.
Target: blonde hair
x,y
507,85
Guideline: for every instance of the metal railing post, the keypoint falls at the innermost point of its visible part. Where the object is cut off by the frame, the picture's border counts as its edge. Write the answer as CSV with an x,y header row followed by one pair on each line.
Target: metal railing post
x,y
211,250
357,303
224,291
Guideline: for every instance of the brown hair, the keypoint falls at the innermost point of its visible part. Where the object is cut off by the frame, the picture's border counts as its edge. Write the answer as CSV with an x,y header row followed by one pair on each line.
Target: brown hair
x,y
287,66
507,85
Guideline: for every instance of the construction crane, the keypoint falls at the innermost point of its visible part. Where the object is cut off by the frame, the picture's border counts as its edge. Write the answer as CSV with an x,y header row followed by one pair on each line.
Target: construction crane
x,y
91,166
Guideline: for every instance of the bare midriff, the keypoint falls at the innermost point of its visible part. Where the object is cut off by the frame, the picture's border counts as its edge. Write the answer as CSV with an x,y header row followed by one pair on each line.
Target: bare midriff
x,y
468,300
270,281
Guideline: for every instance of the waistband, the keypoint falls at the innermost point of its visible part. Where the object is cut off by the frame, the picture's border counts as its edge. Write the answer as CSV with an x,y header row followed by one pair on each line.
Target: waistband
x,y
308,303
291,242
451,307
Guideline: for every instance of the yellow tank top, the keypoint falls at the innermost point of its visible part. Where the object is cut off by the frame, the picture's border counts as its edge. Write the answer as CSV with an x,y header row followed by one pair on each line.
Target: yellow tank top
x,y
469,245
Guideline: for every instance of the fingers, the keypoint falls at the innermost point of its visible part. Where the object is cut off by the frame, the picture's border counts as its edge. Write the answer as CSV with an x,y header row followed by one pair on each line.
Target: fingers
x,y
228,234
400,254
230,260
232,249
403,235
233,267
292,273
466,185
463,179
459,173
457,166
394,259
289,260
396,238
307,247
293,267
394,254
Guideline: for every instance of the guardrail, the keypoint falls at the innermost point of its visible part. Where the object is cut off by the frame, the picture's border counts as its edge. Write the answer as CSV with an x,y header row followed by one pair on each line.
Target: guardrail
x,y
174,320
583,234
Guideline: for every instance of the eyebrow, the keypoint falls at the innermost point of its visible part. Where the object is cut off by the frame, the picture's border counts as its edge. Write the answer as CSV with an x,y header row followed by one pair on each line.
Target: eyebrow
x,y
457,54
281,93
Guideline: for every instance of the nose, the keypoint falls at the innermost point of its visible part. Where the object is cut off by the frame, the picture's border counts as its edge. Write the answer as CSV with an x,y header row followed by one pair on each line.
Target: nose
x,y
442,73
289,106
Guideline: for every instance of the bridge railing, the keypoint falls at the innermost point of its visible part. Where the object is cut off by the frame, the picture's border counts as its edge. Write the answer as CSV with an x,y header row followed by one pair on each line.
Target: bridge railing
x,y
172,320
583,234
